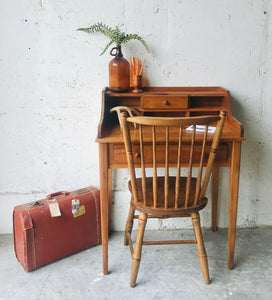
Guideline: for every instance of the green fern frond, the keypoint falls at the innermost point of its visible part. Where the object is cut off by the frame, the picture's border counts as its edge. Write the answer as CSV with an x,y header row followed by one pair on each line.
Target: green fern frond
x,y
129,37
106,48
116,35
100,28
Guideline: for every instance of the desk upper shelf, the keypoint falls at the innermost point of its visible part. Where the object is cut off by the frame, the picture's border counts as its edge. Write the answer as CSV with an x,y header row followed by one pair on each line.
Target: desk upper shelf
x,y
170,102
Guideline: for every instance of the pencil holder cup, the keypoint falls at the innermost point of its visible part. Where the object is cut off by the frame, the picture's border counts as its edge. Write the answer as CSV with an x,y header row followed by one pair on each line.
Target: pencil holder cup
x,y
136,83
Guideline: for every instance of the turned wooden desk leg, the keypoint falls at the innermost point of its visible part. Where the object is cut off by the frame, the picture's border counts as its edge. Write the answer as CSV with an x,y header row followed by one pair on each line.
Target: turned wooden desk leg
x,y
233,199
109,197
104,204
214,183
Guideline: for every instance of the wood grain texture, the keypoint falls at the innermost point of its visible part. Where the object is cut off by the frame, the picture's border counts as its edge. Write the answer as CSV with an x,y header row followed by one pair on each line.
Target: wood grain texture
x,y
104,193
201,101
166,195
233,200
200,247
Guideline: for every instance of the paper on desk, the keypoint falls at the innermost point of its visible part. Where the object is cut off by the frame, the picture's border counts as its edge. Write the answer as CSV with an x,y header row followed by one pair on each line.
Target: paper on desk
x,y
201,128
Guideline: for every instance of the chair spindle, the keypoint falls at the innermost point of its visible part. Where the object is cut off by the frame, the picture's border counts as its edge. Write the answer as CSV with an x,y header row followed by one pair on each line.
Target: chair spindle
x,y
189,176
142,163
178,168
199,176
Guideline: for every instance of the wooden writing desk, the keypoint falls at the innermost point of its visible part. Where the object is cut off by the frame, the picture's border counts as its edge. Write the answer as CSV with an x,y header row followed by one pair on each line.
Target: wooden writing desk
x,y
169,101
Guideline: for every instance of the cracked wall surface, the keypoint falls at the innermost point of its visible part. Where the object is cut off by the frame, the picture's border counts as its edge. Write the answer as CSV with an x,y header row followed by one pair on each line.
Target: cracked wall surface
x,y
52,76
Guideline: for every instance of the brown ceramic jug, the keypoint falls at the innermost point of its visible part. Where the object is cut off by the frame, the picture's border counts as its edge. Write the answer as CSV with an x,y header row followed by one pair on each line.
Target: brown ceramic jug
x,y
118,71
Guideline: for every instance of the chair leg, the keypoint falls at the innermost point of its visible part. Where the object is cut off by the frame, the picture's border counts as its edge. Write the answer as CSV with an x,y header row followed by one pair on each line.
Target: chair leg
x,y
200,246
129,225
136,258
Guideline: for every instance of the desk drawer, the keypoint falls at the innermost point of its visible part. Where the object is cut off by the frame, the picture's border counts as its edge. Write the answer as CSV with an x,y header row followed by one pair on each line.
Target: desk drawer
x,y
117,155
165,102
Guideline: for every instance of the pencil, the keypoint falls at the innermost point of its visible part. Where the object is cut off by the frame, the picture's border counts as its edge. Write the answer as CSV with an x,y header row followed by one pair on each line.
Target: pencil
x,y
141,70
131,64
134,64
137,66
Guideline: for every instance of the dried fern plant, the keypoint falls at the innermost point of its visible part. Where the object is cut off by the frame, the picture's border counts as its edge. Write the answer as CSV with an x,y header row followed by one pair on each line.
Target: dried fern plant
x,y
115,35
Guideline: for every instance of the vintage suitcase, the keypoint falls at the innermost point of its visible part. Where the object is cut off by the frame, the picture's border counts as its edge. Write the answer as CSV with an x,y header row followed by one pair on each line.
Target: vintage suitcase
x,y
61,224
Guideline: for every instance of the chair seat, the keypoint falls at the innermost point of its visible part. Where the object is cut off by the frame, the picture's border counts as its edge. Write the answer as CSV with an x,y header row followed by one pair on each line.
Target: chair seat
x,y
170,210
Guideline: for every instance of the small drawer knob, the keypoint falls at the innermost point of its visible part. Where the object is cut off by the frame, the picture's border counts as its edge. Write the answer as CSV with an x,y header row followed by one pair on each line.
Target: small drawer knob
x,y
165,102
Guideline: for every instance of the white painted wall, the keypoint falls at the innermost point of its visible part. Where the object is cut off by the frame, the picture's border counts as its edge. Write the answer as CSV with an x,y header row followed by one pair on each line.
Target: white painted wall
x,y
51,77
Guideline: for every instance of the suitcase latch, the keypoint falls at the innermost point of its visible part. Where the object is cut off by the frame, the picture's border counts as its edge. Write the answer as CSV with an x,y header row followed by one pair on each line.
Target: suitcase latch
x,y
35,204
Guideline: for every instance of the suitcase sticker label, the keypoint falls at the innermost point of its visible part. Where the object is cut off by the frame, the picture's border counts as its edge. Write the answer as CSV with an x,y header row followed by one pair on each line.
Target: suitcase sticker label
x,y
75,205
81,211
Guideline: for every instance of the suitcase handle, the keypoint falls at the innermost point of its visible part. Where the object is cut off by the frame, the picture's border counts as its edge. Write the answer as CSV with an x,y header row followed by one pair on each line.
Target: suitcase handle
x,y
53,195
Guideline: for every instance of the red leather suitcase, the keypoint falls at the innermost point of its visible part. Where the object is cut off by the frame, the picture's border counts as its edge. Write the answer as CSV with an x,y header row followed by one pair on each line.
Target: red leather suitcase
x,y
42,236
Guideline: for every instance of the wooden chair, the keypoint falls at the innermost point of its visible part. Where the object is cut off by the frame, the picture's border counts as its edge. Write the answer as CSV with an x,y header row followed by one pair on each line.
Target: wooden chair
x,y
166,196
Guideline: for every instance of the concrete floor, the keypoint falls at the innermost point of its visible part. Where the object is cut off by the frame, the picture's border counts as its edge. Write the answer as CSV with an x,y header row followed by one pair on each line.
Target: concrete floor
x,y
167,272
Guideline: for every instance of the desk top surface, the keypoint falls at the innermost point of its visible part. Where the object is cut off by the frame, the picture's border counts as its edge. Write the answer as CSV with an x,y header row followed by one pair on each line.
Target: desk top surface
x,y
114,135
